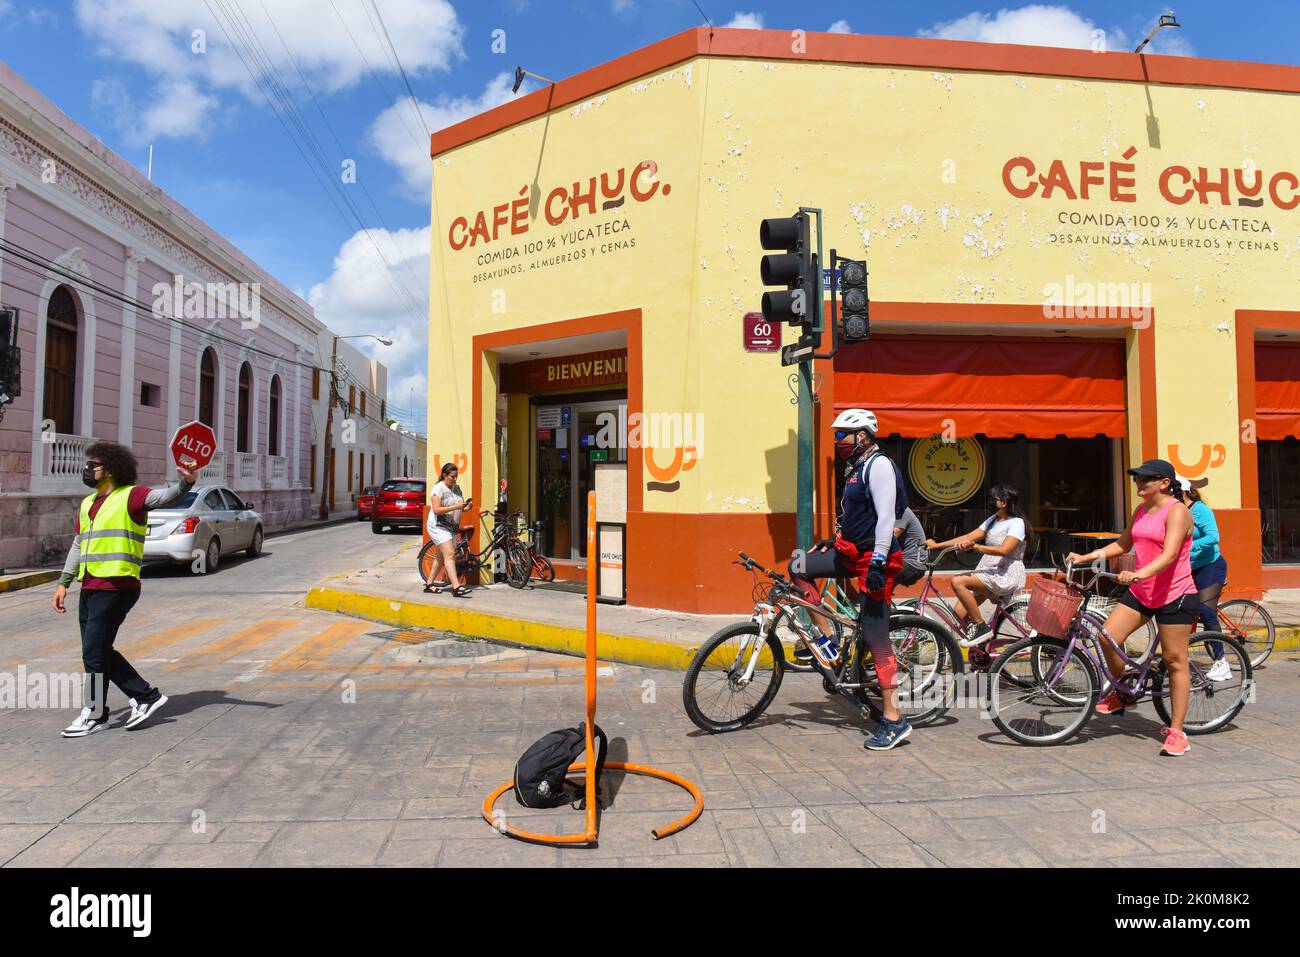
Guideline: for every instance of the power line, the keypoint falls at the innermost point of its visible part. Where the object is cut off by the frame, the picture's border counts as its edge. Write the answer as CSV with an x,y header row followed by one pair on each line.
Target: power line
x,y
375,75
328,181
415,102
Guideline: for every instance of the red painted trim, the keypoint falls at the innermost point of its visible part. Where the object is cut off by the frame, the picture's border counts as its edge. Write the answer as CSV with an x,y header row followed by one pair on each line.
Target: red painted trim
x,y
875,51
1249,323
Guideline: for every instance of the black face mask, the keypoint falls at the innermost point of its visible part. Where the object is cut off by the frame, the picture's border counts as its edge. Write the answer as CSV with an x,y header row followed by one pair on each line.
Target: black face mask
x,y
88,477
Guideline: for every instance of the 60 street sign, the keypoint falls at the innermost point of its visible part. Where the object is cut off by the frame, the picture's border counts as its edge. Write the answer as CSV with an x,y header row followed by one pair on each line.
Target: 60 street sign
x,y
760,335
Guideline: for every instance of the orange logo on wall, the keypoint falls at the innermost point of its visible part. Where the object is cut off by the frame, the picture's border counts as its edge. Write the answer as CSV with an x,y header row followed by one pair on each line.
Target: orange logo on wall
x,y
684,459
1211,458
460,460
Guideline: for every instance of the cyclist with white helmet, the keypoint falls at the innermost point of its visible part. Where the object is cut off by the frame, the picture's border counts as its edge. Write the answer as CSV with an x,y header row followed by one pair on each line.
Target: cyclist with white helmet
x,y
867,550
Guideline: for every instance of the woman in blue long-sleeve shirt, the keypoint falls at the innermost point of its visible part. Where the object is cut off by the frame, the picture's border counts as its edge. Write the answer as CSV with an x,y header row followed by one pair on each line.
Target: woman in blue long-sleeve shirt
x,y
1209,570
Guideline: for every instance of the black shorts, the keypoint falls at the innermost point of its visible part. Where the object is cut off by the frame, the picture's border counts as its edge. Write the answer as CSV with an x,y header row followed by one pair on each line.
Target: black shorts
x,y
1181,611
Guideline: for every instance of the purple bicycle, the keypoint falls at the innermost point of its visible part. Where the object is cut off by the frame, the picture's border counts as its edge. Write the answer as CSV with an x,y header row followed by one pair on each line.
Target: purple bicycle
x,y
1043,689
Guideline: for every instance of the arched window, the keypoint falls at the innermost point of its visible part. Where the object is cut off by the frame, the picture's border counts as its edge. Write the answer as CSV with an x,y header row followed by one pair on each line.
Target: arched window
x,y
208,388
273,419
61,360
245,398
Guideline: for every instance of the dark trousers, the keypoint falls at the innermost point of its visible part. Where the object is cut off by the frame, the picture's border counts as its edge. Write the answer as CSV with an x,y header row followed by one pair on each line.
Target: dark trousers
x,y
101,614
1209,580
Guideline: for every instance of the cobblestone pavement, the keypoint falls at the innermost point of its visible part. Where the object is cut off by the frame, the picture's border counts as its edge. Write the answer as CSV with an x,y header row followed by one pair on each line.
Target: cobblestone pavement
x,y
297,737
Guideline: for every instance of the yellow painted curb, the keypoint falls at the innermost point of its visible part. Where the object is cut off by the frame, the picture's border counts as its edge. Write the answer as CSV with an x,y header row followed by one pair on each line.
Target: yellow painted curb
x,y
28,579
628,649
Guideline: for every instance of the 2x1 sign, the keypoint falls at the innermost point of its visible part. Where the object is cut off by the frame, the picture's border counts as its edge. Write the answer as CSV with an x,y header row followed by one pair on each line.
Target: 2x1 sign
x,y
761,335
193,446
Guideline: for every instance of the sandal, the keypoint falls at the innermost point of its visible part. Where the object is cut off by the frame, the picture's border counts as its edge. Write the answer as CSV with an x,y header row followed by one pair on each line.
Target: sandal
x,y
460,591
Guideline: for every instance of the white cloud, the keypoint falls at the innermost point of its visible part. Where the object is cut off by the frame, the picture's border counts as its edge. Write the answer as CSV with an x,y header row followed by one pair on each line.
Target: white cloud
x,y
839,26
622,6
399,137
360,297
746,21
190,69
1037,24
1054,26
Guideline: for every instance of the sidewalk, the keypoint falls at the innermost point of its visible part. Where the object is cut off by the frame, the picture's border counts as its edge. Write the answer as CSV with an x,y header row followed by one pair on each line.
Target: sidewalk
x,y
534,617
551,620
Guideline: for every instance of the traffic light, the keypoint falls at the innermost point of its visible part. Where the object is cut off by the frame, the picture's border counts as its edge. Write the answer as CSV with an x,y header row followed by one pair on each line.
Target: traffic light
x,y
792,268
855,324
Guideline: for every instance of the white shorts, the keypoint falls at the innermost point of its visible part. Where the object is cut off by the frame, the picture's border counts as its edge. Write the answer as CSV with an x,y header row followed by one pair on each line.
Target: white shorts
x,y
438,534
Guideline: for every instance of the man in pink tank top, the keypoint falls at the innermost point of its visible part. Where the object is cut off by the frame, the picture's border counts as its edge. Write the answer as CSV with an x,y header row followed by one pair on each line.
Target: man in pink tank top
x,y
1160,587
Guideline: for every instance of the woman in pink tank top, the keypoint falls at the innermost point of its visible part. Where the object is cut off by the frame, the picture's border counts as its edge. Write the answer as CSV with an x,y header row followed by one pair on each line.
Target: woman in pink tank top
x,y
1161,587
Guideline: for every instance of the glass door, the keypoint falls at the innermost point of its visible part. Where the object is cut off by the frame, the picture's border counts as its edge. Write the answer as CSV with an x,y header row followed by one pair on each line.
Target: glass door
x,y
601,436
554,482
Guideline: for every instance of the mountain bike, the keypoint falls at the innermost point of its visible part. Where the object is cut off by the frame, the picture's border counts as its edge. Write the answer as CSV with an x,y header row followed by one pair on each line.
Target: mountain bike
x,y
503,538
736,673
1043,689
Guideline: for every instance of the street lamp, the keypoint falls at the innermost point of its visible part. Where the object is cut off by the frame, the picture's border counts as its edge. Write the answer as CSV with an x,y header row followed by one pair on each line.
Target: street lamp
x,y
1166,20
520,73
327,469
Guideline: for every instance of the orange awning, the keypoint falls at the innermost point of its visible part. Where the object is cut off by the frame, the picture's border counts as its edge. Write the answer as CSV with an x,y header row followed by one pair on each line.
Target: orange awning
x,y
1001,388
1277,391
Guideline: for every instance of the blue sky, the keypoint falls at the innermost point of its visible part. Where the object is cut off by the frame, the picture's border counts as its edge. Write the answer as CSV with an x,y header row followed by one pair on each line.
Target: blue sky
x,y
129,71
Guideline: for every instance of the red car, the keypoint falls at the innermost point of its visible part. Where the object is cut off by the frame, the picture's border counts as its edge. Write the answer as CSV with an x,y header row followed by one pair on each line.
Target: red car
x,y
400,503
366,502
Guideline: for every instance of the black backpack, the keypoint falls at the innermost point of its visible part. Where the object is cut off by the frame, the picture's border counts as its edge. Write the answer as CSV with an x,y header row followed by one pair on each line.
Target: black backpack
x,y
540,773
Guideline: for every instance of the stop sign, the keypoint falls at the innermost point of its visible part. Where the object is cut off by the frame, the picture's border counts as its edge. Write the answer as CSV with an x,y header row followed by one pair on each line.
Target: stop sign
x,y
193,445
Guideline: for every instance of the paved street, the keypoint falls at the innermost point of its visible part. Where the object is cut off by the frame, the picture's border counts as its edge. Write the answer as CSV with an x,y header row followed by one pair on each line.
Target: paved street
x,y
298,737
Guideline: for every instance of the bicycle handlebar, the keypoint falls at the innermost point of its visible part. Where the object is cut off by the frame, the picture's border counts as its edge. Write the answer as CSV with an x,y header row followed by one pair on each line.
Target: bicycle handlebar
x,y
934,560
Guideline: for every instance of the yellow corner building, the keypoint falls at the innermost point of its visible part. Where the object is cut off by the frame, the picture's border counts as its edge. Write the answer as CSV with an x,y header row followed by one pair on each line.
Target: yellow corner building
x,y
1077,261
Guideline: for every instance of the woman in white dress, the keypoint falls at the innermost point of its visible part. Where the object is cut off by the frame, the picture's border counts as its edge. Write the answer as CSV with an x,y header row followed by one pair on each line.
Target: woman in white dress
x,y
1000,539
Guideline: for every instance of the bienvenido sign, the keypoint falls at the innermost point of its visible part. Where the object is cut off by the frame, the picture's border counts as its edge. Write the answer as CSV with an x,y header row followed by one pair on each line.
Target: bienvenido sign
x,y
562,373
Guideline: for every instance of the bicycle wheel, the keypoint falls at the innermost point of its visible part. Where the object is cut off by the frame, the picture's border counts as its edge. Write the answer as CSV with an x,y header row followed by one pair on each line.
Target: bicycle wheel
x,y
519,564
1041,711
1211,704
1250,624
732,679
541,566
929,661
424,561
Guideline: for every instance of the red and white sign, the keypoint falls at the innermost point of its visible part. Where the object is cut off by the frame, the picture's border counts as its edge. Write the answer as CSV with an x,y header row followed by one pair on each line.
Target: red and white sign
x,y
193,446
761,335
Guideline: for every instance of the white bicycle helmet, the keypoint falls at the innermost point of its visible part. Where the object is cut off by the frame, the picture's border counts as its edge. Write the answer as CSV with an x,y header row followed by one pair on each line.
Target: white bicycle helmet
x,y
853,420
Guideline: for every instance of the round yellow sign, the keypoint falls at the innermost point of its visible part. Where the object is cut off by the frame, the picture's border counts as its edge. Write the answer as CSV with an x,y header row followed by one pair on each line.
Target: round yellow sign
x,y
946,471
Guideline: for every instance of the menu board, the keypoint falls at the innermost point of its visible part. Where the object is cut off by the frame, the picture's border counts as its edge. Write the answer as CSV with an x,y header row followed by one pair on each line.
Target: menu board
x,y
611,492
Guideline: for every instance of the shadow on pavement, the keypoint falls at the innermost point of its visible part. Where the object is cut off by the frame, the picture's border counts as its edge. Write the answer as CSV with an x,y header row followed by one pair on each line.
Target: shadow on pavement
x,y
188,701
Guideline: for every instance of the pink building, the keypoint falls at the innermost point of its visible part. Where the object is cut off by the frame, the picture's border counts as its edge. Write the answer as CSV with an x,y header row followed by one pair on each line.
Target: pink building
x,y
91,254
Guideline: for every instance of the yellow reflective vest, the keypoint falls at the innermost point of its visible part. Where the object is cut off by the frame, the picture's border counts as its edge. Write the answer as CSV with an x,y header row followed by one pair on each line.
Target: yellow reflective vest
x,y
112,545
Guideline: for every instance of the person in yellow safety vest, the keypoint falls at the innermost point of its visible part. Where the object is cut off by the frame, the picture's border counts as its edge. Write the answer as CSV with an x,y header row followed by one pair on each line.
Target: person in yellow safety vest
x,y
106,557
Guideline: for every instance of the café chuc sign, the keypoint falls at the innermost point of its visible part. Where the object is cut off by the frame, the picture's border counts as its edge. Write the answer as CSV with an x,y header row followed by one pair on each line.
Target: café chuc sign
x,y
564,373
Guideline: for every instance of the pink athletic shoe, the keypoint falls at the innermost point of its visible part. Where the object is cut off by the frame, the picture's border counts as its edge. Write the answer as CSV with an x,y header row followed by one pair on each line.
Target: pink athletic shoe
x,y
1176,743
1111,704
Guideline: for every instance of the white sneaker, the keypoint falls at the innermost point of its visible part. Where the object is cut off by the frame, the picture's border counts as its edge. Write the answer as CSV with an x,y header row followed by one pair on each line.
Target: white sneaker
x,y
139,712
975,635
1219,671
84,725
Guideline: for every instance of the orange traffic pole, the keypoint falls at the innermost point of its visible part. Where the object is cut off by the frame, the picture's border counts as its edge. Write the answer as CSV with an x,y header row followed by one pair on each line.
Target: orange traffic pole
x,y
590,836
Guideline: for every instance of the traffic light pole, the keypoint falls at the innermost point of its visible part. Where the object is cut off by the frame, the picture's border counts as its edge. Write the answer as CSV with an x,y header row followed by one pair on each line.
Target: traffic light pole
x,y
804,441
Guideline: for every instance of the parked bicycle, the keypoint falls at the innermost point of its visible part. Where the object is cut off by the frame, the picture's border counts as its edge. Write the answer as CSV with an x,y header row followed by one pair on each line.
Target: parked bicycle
x,y
736,673
540,566
502,536
1043,689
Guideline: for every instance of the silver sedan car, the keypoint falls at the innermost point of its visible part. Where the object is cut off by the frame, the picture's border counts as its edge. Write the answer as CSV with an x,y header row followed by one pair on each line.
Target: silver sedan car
x,y
203,525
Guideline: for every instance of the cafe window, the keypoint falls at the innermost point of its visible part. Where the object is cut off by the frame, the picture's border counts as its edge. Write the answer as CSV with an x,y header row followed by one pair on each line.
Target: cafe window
x,y
1279,500
1068,488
